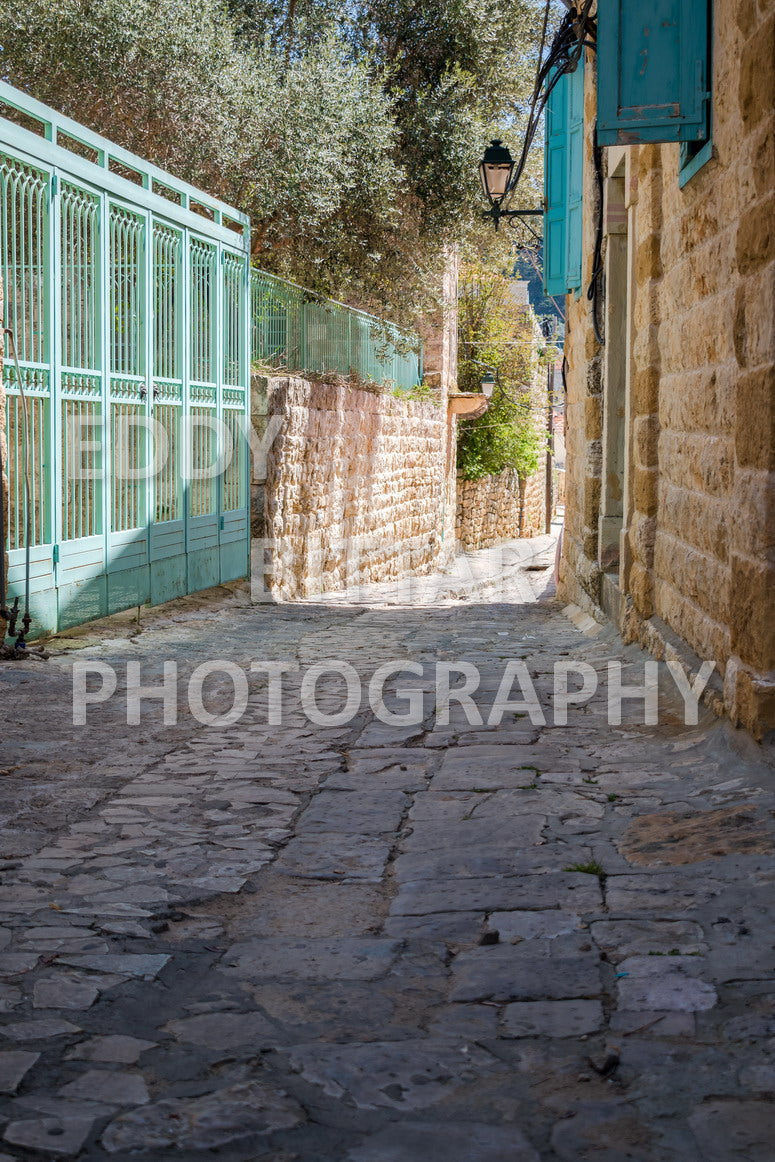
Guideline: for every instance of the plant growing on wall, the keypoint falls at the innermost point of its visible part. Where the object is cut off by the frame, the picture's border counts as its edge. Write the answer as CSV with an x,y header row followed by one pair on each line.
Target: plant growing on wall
x,y
496,332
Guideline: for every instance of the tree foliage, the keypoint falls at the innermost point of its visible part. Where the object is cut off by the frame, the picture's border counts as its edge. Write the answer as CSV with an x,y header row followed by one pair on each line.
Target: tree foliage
x,y
498,334
349,133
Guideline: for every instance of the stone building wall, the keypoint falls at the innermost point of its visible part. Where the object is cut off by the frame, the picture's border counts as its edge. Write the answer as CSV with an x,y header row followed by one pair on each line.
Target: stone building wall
x,y
534,512
583,406
355,487
499,508
694,392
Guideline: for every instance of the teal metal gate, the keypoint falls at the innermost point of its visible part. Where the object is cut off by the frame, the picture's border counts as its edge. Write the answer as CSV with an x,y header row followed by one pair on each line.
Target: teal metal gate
x,y
296,330
127,292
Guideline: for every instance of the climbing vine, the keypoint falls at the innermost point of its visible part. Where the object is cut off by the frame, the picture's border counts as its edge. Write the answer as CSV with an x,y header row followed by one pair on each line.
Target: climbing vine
x,y
498,333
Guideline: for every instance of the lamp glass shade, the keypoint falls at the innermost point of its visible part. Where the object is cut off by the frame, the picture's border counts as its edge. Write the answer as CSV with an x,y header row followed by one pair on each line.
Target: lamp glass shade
x,y
495,171
487,384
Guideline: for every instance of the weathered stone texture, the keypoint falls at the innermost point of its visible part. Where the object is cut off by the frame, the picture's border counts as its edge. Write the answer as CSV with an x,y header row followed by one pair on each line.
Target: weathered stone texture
x,y
356,487
499,508
698,550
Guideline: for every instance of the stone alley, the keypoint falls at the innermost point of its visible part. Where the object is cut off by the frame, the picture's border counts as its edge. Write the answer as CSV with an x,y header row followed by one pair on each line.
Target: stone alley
x,y
378,943
387,563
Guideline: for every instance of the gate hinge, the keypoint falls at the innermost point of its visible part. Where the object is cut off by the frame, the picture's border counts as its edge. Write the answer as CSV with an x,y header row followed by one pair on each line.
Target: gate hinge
x,y
54,182
55,554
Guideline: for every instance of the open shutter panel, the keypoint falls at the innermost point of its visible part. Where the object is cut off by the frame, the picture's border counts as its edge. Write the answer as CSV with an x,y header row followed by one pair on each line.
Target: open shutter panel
x,y
575,177
652,71
556,188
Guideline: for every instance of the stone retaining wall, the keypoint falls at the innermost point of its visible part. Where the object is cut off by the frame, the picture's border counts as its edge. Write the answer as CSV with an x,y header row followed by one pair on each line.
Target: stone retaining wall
x,y
497,508
354,488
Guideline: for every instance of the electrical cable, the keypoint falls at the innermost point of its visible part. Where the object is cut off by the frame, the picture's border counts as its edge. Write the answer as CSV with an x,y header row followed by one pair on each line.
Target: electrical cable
x,y
516,222
577,30
595,288
537,268
542,43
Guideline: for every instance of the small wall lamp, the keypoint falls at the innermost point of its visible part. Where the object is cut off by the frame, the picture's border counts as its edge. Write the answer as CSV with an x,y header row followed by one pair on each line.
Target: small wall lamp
x,y
487,384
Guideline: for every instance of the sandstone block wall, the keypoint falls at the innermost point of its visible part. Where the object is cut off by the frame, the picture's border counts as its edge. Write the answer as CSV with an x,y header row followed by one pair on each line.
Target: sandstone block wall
x,y
559,488
500,508
355,488
534,512
698,543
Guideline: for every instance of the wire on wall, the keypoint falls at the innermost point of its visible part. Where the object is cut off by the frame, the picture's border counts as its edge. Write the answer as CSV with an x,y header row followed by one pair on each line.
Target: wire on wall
x,y
577,31
595,288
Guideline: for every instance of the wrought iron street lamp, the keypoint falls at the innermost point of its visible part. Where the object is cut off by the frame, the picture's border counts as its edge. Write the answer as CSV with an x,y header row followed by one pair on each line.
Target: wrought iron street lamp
x,y
495,171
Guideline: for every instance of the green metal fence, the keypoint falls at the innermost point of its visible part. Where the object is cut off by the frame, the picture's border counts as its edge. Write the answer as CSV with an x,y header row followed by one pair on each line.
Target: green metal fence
x,y
128,295
295,330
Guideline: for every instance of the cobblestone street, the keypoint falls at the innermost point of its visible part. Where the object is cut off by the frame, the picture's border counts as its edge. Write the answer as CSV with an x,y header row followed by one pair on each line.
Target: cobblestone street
x,y
375,943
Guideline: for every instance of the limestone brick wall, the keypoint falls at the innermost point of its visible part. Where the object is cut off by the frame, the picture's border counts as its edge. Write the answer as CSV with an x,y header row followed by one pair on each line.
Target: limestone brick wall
x,y
559,488
500,508
698,544
355,487
534,513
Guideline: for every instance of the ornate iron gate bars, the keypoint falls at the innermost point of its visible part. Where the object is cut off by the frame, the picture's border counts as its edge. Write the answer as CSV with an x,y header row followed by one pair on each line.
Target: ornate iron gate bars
x,y
128,294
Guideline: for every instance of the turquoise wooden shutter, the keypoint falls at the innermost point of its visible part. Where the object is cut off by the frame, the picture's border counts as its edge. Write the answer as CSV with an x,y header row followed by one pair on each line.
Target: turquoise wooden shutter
x,y
575,177
556,188
652,71
563,182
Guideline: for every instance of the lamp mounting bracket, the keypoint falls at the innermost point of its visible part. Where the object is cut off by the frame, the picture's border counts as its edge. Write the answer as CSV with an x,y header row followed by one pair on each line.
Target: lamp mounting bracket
x,y
496,213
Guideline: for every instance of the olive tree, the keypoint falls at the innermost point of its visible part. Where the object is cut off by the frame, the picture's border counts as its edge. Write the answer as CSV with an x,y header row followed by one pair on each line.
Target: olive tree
x,y
349,133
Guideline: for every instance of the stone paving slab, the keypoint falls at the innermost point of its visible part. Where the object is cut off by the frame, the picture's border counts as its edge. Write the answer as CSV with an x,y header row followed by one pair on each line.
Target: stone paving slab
x,y
14,1064
354,812
207,1122
458,1142
516,927
516,833
454,928
55,1137
499,893
620,939
326,856
314,959
478,858
403,1075
499,973
358,943
552,1018
117,1049
336,1010
745,1129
